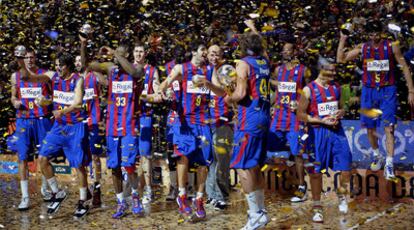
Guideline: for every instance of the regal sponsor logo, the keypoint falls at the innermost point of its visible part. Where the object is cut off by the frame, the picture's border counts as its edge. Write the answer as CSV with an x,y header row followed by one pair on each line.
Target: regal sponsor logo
x,y
264,71
65,98
89,94
122,87
286,87
30,92
327,108
191,88
378,65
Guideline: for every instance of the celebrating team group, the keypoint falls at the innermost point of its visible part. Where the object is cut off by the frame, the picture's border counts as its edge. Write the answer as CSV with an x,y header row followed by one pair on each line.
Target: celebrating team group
x,y
219,117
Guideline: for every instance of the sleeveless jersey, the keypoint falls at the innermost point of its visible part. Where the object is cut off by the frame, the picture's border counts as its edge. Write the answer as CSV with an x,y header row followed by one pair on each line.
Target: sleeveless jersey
x,y
220,112
324,101
146,108
289,84
122,110
378,65
27,92
91,99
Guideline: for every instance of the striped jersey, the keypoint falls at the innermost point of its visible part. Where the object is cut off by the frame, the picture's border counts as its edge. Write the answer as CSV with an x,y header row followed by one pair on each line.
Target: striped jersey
x,y
27,92
290,82
378,65
324,101
220,112
91,99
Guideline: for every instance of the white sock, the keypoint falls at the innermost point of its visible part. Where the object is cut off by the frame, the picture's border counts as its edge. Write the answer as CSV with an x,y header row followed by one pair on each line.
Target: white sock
x,y
44,183
120,196
389,160
134,191
24,186
83,193
53,184
375,152
181,191
317,203
147,189
199,195
260,198
252,202
301,187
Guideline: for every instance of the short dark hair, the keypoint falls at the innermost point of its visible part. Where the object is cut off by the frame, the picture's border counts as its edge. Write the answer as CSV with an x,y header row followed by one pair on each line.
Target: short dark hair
x,y
195,44
179,54
373,26
126,46
31,50
68,60
251,44
140,44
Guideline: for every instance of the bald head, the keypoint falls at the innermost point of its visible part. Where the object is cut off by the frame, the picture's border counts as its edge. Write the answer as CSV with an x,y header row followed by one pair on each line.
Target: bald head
x,y
215,54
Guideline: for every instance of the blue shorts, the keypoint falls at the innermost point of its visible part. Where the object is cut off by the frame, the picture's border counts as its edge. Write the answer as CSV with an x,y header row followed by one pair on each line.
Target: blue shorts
x,y
145,138
385,99
29,135
281,144
95,140
194,142
248,151
121,151
331,149
72,139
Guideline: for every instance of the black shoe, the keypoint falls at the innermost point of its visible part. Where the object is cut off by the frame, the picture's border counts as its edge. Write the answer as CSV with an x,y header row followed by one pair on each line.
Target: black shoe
x,y
56,201
81,209
96,197
219,205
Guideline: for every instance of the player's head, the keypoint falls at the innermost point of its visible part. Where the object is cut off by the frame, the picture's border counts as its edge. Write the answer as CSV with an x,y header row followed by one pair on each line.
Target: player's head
x,y
288,50
374,29
179,54
198,51
327,69
215,54
251,44
78,63
139,52
65,64
30,58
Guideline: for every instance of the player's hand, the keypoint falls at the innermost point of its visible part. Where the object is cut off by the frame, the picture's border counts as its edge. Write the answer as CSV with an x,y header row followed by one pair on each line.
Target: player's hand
x,y
83,40
354,100
106,50
17,104
343,37
411,99
329,121
340,113
57,113
227,100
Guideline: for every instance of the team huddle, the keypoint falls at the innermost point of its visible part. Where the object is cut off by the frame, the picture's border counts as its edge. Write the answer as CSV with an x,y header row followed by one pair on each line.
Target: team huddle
x,y
220,117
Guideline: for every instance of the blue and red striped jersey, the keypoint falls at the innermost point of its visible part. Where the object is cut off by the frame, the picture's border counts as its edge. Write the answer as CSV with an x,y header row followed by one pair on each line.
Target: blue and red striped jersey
x,y
290,82
220,112
173,115
123,106
64,96
254,109
378,65
145,107
27,92
91,99
195,100
324,101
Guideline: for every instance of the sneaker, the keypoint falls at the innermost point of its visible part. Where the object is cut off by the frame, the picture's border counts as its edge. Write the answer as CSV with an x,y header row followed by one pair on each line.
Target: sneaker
x,y
389,172
199,205
96,196
377,163
81,209
210,202
56,201
120,210
172,194
24,204
300,195
183,206
147,197
136,205
219,205
256,220
46,194
343,205
317,214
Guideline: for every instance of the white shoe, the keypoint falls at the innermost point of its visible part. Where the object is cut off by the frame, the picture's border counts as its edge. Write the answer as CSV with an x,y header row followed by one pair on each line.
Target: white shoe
x,y
343,205
147,198
300,195
256,220
24,204
317,215
377,163
46,194
389,172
